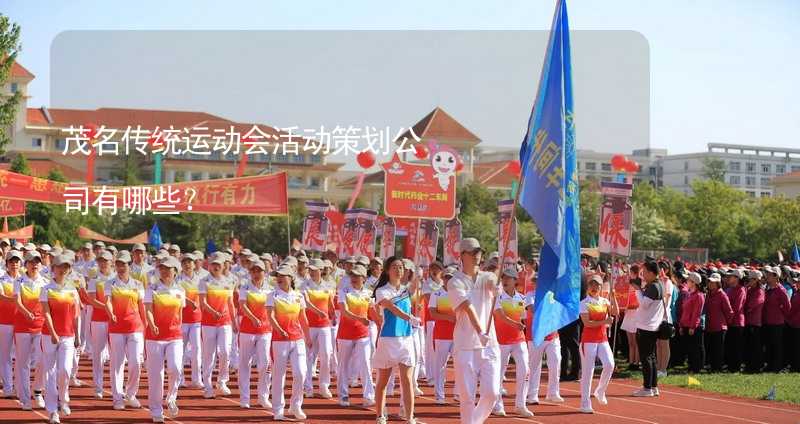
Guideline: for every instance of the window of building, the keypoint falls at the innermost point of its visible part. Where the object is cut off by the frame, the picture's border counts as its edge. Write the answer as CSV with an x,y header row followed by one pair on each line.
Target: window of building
x,y
751,193
314,183
735,166
591,166
735,180
686,179
606,179
197,176
780,169
298,159
750,167
765,194
36,142
795,168
766,168
61,144
280,157
296,182
316,159
14,87
749,180
686,165
605,166
765,181
652,171
637,180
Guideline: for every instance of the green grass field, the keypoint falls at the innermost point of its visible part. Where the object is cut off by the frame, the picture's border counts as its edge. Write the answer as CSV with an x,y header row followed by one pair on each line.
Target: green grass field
x,y
755,386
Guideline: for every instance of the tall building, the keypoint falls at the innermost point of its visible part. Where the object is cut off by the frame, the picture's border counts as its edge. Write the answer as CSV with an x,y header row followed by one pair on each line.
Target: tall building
x,y
41,135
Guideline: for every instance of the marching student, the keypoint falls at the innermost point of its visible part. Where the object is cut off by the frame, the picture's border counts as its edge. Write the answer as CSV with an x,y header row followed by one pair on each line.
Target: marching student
x,y
753,315
164,301
690,329
124,296
734,338
98,330
218,319
793,323
550,347
596,313
61,308
776,310
476,352
290,335
718,314
431,284
319,311
629,319
28,322
352,339
395,347
141,270
189,280
8,308
441,312
255,335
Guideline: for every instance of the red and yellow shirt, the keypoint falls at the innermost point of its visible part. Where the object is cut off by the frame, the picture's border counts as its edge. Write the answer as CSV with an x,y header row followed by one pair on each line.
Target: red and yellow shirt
x,y
190,286
513,306
8,307
287,307
64,304
256,300
29,289
358,303
319,295
442,329
125,298
97,291
218,293
168,303
597,308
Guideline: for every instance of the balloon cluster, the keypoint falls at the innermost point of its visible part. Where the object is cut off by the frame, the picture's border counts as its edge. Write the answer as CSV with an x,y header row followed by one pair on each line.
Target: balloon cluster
x,y
514,168
623,164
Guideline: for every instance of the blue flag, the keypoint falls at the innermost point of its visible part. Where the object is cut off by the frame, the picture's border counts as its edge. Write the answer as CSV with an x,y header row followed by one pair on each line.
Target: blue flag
x,y
154,239
211,247
795,253
550,189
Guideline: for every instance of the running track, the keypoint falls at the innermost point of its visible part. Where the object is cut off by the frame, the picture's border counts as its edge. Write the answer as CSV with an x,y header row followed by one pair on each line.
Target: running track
x,y
675,405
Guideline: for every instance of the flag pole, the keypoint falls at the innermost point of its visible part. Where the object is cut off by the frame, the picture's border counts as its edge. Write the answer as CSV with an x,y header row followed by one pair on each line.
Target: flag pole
x,y
288,235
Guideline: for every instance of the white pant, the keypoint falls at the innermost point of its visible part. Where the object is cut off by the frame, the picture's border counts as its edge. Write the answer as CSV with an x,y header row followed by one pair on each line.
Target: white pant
x,y
355,362
86,329
6,346
429,355
418,334
520,353
443,350
334,354
216,340
130,347
472,367
283,354
234,356
159,351
192,349
322,347
551,348
99,343
373,337
58,360
28,352
254,347
590,351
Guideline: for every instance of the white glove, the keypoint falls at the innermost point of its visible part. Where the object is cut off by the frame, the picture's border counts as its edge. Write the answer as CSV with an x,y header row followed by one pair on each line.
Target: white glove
x,y
416,322
484,338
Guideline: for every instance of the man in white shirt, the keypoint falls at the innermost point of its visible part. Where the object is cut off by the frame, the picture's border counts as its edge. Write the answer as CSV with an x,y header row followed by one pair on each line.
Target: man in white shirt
x,y
476,351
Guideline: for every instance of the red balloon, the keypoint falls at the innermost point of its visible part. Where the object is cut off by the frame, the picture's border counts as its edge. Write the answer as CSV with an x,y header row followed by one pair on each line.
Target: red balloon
x,y
420,151
514,167
366,159
632,167
459,166
618,161
90,131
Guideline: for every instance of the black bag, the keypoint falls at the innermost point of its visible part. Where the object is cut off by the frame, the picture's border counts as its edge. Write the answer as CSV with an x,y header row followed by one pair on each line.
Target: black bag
x,y
666,330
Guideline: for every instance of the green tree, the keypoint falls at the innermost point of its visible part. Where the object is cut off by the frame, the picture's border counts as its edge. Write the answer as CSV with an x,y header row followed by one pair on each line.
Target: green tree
x,y
482,226
714,169
9,48
648,227
20,165
713,214
590,202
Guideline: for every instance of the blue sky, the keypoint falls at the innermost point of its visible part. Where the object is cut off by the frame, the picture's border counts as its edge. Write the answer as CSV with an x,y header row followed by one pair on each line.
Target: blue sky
x,y
721,70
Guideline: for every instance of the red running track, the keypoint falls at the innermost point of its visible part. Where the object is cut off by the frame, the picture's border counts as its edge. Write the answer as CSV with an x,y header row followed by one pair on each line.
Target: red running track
x,y
675,405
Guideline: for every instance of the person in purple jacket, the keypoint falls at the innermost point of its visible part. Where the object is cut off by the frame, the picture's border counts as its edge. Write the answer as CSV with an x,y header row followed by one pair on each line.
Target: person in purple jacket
x,y
793,324
690,330
734,338
776,310
718,314
753,307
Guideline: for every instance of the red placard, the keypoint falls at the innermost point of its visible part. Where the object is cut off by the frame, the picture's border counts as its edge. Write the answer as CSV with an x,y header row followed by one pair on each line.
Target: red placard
x,y
11,207
417,191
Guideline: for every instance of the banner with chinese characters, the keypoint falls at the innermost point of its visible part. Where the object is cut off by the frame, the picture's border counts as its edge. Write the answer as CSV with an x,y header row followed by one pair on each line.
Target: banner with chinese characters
x,y
616,219
418,191
365,233
452,236
507,236
86,233
12,207
24,233
407,228
428,236
265,195
349,227
387,238
335,228
315,226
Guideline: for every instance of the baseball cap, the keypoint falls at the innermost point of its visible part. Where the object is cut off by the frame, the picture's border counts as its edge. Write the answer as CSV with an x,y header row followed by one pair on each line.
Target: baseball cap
x,y
284,270
188,257
328,263
217,258
715,277
29,246
198,255
316,264
106,255
494,256
408,264
99,244
363,260
45,247
290,260
773,270
124,257
31,255
266,257
246,252
174,247
596,279
359,270
695,277
754,274
13,254
138,246
351,260
171,262
258,263
736,273
303,259
511,272
468,244
450,271
5,240
62,260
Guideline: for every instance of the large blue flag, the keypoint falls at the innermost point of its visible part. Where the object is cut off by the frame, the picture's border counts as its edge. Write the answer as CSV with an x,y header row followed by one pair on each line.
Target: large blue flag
x,y
154,239
549,190
796,253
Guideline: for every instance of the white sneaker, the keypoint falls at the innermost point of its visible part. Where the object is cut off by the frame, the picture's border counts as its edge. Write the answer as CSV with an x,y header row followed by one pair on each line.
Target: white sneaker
x,y
554,399
418,391
345,401
244,405
119,406
158,419
380,420
208,394
98,394
441,401
197,386
298,413
65,410
133,402
75,382
368,403
523,412
587,410
224,389
411,421
499,413
661,374
280,417
643,393
264,402
503,391
39,399
325,394
172,409
402,413
54,419
26,407
309,393
534,401
656,392
601,397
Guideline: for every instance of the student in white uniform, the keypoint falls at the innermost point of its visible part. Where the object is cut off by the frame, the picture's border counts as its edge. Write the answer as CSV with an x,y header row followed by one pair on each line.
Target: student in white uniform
x,y
8,307
255,335
98,333
355,304
597,313
28,321
216,301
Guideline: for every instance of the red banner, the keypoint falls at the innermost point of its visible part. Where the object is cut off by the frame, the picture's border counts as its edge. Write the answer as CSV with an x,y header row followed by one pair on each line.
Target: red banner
x,y
452,236
86,233
258,195
336,223
616,219
25,233
364,241
418,191
387,238
11,207
408,228
428,235
507,236
315,227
